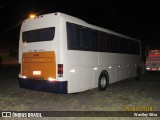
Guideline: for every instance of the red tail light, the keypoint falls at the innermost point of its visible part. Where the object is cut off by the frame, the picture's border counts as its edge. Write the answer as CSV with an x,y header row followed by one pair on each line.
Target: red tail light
x,y
154,69
60,70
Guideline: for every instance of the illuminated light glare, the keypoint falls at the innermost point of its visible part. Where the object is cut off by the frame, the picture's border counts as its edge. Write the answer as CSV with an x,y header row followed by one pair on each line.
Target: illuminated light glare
x,y
51,79
32,16
72,71
110,67
154,69
95,68
148,68
36,72
119,66
24,77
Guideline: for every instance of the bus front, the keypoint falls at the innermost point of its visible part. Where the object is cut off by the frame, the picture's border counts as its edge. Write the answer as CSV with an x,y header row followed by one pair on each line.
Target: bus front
x,y
38,55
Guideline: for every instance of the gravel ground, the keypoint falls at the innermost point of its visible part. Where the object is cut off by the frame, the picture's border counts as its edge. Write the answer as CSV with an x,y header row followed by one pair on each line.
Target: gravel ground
x,y
118,96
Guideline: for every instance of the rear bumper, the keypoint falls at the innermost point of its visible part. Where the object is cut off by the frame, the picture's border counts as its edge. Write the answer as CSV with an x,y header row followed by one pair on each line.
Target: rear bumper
x,y
59,87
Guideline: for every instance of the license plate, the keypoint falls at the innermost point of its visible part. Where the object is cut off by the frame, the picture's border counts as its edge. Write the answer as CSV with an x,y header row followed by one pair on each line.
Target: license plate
x,y
36,72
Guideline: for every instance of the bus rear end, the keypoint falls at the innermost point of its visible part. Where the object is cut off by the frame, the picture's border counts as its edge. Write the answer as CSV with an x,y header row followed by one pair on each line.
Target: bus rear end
x,y
153,61
38,55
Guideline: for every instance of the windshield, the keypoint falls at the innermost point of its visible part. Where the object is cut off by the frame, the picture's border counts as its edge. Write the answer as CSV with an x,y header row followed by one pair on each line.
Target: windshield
x,y
45,34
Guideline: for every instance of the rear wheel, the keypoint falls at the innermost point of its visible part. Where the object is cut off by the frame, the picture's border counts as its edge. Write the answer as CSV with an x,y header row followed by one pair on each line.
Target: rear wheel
x,y
103,81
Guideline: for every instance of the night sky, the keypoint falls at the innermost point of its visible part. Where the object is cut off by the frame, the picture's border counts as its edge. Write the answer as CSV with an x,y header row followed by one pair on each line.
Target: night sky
x,y
138,19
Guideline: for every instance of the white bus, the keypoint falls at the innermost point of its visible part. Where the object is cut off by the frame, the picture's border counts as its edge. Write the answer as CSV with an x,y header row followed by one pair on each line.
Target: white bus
x,y
153,61
62,54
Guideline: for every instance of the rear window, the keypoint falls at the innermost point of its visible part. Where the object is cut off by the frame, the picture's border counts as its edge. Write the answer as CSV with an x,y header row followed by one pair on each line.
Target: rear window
x,y
45,34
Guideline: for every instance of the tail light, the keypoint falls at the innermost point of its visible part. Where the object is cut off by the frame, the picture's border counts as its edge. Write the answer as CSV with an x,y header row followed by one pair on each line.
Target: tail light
x,y
154,69
60,70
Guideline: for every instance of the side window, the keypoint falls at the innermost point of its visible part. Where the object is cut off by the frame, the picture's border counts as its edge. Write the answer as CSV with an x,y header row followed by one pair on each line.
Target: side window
x,y
93,35
85,38
126,44
102,40
137,48
77,36
121,42
70,35
109,43
115,44
132,46
118,44
131,50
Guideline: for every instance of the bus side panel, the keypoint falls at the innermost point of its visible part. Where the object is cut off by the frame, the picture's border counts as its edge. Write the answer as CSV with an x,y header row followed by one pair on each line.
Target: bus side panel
x,y
88,78
75,83
83,63
119,67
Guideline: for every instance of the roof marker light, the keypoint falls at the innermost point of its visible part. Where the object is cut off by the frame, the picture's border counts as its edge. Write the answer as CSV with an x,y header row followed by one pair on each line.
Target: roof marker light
x,y
32,16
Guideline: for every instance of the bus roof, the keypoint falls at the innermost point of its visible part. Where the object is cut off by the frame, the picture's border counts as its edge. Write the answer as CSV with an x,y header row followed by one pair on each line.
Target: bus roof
x,y
82,23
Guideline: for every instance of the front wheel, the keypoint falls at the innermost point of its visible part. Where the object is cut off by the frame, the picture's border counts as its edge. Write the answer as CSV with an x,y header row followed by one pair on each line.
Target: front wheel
x,y
103,81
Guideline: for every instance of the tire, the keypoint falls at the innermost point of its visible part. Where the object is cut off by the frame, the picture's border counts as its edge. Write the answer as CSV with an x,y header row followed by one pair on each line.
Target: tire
x,y
103,81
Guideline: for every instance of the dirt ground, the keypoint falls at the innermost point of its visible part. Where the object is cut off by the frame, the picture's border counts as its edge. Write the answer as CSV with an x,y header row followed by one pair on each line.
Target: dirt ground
x,y
118,96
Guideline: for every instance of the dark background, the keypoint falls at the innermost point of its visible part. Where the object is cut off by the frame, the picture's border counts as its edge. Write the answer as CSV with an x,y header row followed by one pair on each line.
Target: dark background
x,y
138,19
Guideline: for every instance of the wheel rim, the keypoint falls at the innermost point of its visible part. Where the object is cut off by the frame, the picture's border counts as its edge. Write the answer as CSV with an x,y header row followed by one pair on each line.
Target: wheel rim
x,y
103,82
